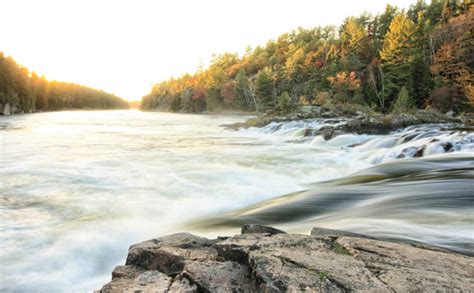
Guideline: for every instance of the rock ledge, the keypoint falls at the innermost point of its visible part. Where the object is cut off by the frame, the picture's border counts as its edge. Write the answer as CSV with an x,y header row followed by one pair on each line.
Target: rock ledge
x,y
264,259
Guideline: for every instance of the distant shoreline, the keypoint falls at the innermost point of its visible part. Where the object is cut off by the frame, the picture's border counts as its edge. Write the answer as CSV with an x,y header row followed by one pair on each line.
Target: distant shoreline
x,y
62,110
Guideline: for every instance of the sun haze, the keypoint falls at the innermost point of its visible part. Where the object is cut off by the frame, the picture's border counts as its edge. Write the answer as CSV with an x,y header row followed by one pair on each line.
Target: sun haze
x,y
124,47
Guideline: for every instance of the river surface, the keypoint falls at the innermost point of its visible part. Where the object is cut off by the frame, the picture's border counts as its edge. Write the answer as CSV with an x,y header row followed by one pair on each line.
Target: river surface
x,y
79,187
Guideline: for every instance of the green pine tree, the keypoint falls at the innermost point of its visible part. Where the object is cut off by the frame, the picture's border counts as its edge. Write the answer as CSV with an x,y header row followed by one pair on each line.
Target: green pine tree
x,y
264,90
403,102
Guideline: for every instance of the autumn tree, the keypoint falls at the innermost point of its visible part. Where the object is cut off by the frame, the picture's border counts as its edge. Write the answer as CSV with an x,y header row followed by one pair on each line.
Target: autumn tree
x,y
345,85
368,60
355,44
396,55
453,60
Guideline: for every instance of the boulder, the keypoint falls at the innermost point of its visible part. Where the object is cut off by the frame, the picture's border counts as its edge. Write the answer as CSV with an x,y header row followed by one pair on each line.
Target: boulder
x,y
254,228
170,254
265,259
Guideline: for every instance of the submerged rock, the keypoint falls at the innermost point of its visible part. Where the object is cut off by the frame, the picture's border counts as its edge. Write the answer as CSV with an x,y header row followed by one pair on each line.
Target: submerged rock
x,y
264,259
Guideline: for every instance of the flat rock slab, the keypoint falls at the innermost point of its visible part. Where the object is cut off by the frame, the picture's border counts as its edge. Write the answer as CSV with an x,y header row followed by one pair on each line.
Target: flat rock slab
x,y
264,259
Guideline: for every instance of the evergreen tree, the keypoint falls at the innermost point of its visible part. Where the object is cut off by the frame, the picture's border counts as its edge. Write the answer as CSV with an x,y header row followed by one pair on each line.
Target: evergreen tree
x,y
380,26
284,102
421,83
403,102
264,90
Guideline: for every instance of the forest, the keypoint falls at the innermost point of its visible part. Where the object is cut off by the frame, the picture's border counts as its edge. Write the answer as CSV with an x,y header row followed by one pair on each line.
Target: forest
x,y
398,60
22,91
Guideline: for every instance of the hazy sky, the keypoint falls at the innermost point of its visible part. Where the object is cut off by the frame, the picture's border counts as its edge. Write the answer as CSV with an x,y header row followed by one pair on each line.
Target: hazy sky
x,y
125,46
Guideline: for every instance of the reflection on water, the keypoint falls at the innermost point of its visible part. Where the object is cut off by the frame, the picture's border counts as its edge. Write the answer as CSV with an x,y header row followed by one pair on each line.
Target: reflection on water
x,y
77,188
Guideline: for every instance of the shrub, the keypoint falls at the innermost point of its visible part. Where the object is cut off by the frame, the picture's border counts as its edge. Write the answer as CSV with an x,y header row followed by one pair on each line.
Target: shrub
x,y
404,102
469,91
284,102
447,98
303,101
321,98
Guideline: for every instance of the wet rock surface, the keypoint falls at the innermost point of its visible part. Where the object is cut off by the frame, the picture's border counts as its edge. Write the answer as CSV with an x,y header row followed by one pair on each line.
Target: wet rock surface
x,y
357,122
264,259
254,228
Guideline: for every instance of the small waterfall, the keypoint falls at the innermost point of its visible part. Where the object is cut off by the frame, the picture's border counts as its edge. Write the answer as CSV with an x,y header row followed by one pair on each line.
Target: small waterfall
x,y
410,142
428,200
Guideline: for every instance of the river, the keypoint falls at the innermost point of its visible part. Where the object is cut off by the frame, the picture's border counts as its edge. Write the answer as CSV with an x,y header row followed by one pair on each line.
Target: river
x,y
79,187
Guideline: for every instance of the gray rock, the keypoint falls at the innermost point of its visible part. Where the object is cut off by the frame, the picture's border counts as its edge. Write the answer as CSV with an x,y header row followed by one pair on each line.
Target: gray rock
x,y
6,109
14,110
326,261
126,272
254,228
183,285
292,263
146,281
324,232
360,122
310,109
410,268
169,254
327,132
218,276
309,132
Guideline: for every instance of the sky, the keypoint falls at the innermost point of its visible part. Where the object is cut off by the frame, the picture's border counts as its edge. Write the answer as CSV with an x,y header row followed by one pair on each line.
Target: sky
x,y
124,47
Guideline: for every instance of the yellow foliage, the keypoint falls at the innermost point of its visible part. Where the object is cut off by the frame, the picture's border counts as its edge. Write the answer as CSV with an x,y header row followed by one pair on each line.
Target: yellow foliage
x,y
469,92
398,40
321,98
303,101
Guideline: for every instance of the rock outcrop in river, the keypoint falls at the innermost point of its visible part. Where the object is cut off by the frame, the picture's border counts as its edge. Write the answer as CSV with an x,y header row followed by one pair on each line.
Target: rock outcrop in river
x,y
264,259
357,122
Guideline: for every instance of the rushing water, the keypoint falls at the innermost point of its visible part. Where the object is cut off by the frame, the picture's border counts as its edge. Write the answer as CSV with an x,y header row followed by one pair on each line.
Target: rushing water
x,y
77,188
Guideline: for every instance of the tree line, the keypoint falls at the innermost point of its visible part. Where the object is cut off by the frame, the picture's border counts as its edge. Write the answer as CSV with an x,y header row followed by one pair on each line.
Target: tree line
x,y
25,91
418,58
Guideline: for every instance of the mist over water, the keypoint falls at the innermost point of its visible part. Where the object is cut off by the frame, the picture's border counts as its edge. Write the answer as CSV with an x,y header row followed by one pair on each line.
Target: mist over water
x,y
77,188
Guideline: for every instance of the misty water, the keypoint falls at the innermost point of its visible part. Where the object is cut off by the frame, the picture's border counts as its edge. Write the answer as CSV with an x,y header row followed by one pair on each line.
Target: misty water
x,y
79,187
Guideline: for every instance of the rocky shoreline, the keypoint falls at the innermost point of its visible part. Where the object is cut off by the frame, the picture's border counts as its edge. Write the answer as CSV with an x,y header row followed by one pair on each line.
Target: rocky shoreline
x,y
265,259
357,121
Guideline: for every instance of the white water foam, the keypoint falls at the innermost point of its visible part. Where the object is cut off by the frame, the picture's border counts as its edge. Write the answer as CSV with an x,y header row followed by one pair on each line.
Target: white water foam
x,y
77,188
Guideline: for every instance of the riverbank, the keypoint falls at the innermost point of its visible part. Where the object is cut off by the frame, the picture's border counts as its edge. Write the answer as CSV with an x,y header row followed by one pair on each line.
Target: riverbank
x,y
265,259
7,110
356,120
221,112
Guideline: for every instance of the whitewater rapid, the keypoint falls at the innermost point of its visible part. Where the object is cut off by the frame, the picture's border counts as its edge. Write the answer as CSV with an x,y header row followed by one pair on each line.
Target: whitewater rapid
x,y
77,188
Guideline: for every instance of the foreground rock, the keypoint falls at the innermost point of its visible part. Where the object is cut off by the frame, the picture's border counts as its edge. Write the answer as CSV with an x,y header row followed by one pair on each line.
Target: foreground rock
x,y
263,259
